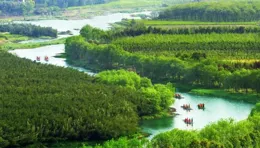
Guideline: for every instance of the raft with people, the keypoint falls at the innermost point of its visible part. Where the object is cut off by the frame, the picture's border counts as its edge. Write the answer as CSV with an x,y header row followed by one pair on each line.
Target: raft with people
x,y
186,107
201,106
46,58
188,121
178,96
38,58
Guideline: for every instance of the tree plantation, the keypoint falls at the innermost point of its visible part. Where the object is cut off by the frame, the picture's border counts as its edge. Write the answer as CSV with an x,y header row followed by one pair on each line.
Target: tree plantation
x,y
44,103
203,60
224,11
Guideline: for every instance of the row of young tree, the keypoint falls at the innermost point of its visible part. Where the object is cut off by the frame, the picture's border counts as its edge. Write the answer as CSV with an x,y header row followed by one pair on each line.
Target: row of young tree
x,y
208,73
134,28
28,30
44,103
217,11
222,134
155,42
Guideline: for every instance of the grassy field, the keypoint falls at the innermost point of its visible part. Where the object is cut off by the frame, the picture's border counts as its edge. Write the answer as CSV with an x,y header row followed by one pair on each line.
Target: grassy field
x,y
10,42
247,97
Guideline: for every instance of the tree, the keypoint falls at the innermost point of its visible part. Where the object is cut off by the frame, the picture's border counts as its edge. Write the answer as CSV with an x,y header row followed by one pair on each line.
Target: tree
x,y
28,7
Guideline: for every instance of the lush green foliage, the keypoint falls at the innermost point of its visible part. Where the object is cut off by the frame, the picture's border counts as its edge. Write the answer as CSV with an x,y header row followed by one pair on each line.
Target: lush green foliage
x,y
28,30
196,70
11,7
214,11
136,28
223,134
151,42
43,103
123,143
239,96
155,98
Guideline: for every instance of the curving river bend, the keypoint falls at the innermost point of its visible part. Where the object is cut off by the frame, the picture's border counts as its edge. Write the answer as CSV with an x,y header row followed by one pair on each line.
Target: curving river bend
x,y
216,108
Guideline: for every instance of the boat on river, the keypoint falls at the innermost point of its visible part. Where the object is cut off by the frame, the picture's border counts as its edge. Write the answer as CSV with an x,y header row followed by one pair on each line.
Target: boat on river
x,y
188,121
38,58
201,106
178,96
46,58
186,107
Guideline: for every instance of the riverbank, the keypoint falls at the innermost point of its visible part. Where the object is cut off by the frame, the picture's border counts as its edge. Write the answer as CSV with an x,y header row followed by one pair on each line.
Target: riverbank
x,y
246,97
11,45
88,11
11,41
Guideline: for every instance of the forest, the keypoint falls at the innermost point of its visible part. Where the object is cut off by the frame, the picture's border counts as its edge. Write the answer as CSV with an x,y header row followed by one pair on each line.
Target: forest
x,y
204,60
13,7
84,107
223,11
28,30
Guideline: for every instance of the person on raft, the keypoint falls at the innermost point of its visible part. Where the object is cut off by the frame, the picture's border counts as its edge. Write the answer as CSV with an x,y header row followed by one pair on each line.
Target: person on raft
x,y
201,105
188,120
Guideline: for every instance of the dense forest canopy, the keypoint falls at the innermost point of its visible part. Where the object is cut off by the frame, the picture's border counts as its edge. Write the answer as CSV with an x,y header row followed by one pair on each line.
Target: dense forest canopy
x,y
214,11
203,60
45,103
28,30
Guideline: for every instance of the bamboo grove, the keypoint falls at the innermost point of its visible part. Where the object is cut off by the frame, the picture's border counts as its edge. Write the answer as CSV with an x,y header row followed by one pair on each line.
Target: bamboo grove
x,y
44,103
223,11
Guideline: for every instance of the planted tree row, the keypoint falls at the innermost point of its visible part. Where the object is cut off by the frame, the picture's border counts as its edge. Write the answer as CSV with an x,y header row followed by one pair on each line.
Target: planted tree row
x,y
134,28
28,30
152,42
222,11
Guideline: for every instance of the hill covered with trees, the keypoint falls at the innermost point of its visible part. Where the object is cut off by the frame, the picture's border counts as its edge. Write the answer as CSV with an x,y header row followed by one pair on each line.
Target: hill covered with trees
x,y
223,11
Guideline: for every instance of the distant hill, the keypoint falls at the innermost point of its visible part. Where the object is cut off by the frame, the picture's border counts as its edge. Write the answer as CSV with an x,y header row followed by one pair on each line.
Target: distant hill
x,y
24,7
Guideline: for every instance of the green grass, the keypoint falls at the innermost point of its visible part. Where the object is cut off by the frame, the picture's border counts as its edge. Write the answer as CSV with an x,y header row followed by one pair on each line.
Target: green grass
x,y
12,37
11,41
246,97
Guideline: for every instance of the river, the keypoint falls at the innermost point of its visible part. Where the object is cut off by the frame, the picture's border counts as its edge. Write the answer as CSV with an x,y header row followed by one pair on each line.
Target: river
x,y
216,108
